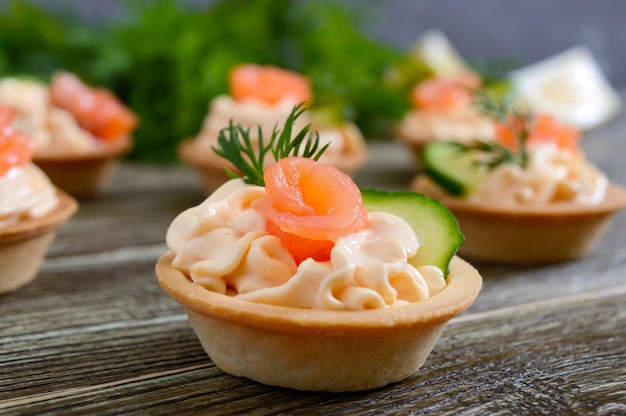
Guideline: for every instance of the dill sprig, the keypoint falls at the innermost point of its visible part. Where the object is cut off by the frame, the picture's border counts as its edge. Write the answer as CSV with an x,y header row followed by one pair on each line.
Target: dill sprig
x,y
235,145
520,121
497,110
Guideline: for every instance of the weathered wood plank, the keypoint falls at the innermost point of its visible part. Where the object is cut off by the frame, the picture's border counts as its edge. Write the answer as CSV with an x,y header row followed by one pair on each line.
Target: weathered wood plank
x,y
548,358
121,220
79,298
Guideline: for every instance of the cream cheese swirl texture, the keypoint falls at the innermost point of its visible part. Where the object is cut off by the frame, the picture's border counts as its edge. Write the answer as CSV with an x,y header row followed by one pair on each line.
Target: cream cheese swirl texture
x,y
54,130
553,175
257,115
463,124
25,193
222,244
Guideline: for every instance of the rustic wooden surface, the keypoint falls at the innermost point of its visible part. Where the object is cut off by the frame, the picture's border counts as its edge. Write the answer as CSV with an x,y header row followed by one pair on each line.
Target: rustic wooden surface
x,y
94,334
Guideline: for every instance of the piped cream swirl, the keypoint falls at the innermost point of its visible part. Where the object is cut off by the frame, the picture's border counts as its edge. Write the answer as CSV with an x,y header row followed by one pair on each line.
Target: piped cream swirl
x,y
255,115
54,130
553,175
222,245
25,192
464,125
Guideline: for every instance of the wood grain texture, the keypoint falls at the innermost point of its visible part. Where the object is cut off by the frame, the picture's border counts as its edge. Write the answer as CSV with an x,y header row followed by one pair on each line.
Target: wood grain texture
x,y
546,359
95,334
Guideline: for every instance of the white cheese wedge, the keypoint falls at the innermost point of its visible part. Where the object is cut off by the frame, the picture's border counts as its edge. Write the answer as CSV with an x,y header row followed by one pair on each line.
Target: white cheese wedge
x,y
438,53
571,86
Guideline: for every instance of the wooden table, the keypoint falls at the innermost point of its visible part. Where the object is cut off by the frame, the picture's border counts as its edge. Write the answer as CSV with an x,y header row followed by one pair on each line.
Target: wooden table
x,y
95,334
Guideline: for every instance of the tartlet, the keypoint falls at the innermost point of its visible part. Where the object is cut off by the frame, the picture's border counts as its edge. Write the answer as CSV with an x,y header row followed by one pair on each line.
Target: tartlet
x,y
262,97
294,277
536,234
80,131
24,244
31,208
440,100
443,111
85,174
529,196
308,349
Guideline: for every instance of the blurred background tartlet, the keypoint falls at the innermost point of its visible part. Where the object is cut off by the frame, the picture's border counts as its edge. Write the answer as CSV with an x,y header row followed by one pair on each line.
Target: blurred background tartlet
x,y
31,208
441,101
79,131
528,196
260,99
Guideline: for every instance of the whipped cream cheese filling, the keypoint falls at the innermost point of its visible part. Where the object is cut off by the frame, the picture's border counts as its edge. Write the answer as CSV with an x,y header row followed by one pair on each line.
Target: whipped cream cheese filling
x,y
255,114
463,125
222,245
25,192
54,130
552,175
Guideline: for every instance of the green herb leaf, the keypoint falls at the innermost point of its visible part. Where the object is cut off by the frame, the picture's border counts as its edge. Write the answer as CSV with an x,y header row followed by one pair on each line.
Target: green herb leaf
x,y
235,145
518,120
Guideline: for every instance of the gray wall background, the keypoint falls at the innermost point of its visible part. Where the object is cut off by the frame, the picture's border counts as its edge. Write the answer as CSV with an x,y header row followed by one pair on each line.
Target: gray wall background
x,y
527,30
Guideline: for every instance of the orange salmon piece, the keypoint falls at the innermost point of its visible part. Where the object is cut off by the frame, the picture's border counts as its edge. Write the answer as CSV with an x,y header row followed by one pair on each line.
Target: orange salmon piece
x,y
16,148
302,248
309,205
97,110
269,84
545,128
440,94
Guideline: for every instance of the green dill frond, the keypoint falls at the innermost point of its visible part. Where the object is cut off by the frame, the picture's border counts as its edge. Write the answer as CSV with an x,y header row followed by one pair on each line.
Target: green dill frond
x,y
519,121
234,144
488,105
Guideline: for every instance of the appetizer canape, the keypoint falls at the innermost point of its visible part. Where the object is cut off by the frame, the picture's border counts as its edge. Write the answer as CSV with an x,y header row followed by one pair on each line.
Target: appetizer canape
x,y
528,196
79,131
30,208
441,98
293,277
443,110
261,98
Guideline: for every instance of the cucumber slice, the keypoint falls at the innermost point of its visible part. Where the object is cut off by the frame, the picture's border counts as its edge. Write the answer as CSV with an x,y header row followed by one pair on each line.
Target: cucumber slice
x,y
436,228
454,170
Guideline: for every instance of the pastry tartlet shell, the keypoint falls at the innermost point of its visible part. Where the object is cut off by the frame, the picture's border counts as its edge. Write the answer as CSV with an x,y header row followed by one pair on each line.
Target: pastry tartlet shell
x,y
24,244
319,350
540,234
85,174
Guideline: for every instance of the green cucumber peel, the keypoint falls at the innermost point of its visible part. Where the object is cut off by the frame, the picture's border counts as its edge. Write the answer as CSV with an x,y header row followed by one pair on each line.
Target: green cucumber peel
x,y
453,169
437,230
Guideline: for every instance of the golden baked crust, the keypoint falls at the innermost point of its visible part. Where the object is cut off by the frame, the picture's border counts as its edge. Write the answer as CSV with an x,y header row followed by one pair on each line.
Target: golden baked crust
x,y
319,349
24,244
533,234
87,173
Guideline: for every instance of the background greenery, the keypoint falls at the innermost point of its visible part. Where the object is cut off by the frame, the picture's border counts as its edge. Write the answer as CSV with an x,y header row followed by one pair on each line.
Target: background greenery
x,y
166,61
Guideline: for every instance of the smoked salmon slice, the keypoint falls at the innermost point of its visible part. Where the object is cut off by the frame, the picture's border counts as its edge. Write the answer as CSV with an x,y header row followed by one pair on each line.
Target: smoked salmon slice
x,y
441,94
309,205
544,127
269,84
16,148
97,110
